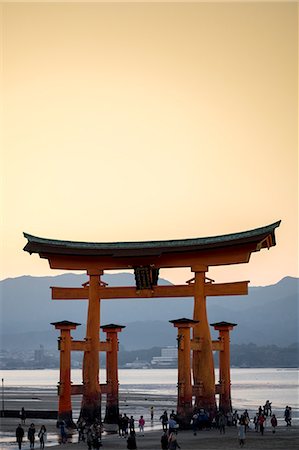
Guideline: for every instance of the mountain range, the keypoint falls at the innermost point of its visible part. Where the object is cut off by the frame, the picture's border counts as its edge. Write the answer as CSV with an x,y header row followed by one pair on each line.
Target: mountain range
x,y
267,315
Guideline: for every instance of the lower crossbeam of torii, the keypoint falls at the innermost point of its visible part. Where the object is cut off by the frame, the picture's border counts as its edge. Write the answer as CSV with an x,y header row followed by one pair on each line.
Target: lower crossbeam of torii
x,y
146,258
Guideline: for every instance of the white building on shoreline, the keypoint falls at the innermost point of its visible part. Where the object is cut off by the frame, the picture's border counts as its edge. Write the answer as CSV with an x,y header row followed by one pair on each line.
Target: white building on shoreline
x,y
168,358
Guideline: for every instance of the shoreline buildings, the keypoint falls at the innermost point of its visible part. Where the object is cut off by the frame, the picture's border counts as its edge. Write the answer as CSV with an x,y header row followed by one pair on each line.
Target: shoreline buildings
x,y
167,360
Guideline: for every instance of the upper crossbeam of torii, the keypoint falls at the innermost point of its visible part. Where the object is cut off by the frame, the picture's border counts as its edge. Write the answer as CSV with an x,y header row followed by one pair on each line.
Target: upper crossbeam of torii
x,y
211,251
146,258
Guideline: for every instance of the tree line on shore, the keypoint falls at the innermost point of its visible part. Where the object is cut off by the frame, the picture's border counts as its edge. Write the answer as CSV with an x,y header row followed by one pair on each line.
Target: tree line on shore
x,y
242,355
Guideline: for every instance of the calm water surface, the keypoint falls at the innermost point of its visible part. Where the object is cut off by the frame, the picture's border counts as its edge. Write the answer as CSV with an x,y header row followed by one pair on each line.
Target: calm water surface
x,y
250,387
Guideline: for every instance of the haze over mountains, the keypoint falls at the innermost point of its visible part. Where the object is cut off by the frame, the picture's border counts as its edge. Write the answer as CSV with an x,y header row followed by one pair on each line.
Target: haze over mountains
x,y
268,315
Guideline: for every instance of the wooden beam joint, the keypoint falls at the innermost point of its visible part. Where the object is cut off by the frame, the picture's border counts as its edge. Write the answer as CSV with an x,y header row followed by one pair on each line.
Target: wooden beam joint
x,y
217,346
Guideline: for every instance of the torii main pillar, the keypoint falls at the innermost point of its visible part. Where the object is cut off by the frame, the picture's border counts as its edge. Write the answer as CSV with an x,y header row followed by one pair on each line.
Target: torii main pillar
x,y
225,402
91,399
202,361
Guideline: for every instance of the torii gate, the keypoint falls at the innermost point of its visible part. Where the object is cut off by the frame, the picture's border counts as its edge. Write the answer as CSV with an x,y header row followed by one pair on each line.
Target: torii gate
x,y
146,258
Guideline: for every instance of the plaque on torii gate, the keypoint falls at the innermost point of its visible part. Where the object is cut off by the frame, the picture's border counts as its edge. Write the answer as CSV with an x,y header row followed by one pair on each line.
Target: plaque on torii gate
x,y
146,258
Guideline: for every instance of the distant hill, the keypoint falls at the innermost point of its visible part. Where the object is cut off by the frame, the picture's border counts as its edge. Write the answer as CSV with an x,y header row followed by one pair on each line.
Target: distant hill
x,y
268,315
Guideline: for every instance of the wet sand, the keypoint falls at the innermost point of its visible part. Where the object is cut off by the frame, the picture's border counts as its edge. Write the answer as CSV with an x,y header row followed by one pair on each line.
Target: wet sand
x,y
135,404
283,439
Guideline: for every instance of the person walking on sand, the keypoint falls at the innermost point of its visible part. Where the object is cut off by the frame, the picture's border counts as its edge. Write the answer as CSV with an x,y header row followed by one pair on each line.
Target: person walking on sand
x,y
273,423
288,416
131,424
42,434
172,425
164,420
172,442
261,422
131,441
63,435
164,441
31,435
125,425
267,408
141,423
221,423
120,425
152,413
235,418
19,435
23,415
241,433
194,422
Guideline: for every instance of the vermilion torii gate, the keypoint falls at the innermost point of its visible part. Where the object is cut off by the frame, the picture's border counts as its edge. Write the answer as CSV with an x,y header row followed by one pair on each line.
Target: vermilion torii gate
x,y
146,258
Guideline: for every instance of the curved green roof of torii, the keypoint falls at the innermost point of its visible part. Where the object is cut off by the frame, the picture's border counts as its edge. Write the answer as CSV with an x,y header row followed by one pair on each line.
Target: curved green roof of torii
x,y
263,237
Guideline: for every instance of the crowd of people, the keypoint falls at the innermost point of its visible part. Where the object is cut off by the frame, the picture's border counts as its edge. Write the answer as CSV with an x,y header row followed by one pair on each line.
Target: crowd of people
x,y
169,427
126,428
91,434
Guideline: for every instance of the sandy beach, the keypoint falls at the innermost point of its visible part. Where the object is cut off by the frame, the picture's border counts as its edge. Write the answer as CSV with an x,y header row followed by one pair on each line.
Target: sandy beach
x,y
284,438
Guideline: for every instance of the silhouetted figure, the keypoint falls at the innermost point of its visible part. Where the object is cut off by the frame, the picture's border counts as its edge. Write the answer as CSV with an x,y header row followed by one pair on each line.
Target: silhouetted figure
x,y
42,434
241,432
164,420
152,413
131,441
288,416
235,418
172,442
221,423
31,435
164,441
63,435
246,419
131,424
194,422
261,422
119,423
267,408
19,435
125,425
273,423
23,415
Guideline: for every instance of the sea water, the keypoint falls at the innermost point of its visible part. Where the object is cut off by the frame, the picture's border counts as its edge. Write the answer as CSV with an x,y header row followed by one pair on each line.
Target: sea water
x,y
250,387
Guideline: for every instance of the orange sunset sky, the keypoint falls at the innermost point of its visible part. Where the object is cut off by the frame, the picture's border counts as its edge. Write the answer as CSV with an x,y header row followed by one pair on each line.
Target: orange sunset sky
x,y
144,121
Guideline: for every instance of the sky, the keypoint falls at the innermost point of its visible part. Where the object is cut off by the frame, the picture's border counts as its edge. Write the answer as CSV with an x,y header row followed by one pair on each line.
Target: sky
x,y
148,121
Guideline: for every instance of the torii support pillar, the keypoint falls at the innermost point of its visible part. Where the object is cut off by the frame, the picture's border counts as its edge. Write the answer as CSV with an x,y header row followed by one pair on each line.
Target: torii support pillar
x,y
112,401
184,401
225,402
64,389
202,360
